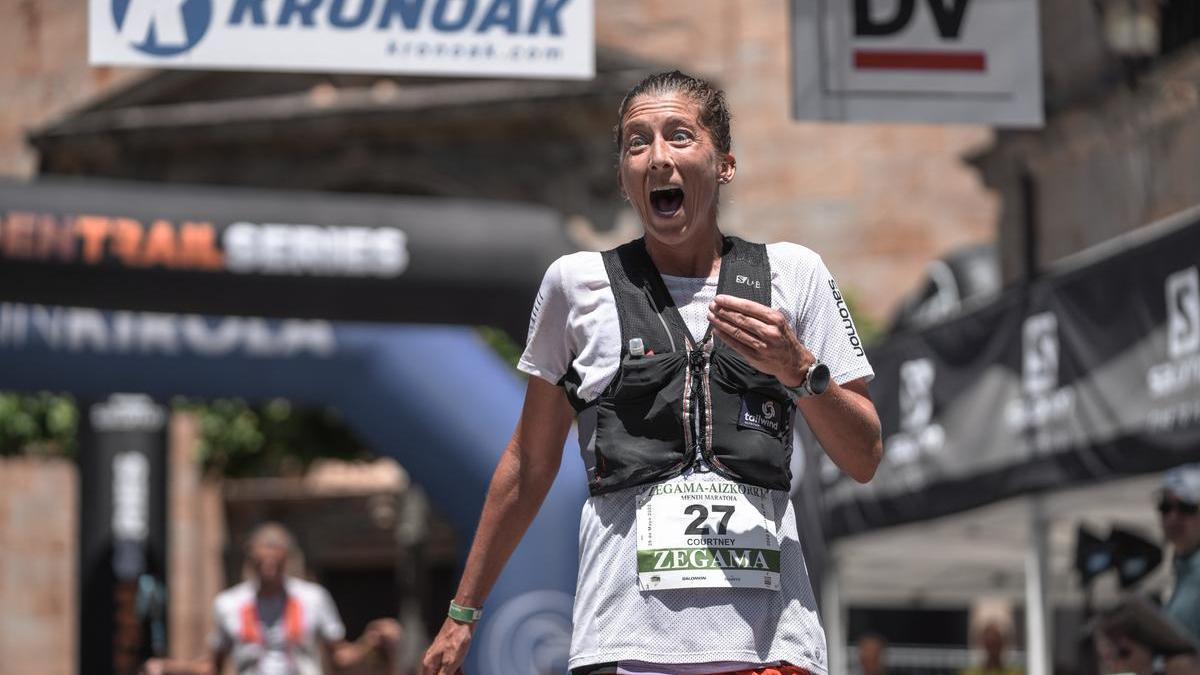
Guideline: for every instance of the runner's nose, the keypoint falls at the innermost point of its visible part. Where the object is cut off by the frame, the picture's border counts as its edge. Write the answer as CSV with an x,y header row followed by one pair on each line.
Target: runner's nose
x,y
660,156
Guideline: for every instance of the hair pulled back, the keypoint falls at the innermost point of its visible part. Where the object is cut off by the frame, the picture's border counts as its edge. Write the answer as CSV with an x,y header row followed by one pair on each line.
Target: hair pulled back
x,y
714,112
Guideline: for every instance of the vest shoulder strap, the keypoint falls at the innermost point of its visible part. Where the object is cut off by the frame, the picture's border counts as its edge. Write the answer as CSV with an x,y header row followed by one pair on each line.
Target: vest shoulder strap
x,y
647,311
642,301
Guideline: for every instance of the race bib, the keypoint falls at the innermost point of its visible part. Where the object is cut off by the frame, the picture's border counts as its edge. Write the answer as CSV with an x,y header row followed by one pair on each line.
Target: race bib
x,y
706,534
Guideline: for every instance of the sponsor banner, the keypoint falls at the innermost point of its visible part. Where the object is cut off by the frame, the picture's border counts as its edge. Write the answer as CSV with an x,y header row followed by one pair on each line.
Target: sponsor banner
x,y
500,38
150,247
1086,375
933,61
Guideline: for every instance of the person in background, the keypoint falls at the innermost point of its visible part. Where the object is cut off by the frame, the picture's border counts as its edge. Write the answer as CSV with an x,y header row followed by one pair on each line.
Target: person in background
x,y
1179,507
275,623
993,637
872,654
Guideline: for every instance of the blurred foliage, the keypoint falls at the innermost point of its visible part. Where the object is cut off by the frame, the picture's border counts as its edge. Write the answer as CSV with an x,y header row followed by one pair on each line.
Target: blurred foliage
x,y
40,424
272,439
237,439
503,344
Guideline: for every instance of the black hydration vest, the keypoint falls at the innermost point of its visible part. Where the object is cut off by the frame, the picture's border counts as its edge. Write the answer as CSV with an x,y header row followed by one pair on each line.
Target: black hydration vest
x,y
685,400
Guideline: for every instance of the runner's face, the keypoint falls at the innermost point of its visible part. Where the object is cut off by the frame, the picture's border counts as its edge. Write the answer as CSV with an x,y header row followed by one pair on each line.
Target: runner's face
x,y
268,561
670,168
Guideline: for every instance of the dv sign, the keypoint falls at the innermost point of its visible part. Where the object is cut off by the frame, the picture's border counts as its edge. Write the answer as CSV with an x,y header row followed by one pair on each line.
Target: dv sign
x,y
932,61
501,38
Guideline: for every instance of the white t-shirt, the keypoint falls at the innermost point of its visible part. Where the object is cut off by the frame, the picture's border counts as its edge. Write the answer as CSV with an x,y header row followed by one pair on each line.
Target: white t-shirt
x,y
575,325
275,653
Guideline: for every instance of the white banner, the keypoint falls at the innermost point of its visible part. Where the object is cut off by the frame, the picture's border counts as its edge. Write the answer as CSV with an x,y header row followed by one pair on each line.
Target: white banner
x,y
932,61
498,38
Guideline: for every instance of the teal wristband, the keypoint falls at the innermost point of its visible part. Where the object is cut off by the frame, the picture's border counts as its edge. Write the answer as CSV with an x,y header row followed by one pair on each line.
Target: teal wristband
x,y
464,614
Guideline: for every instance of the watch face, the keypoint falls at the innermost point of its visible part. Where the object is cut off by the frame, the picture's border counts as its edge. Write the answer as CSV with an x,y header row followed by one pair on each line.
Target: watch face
x,y
818,378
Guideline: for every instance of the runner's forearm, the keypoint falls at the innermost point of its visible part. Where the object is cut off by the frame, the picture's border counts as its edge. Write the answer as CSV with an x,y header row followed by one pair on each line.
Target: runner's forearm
x,y
846,424
517,490
348,654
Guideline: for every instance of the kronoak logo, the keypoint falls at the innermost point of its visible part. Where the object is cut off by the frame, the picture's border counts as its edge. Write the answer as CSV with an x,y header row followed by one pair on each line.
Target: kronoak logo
x,y
523,38
162,27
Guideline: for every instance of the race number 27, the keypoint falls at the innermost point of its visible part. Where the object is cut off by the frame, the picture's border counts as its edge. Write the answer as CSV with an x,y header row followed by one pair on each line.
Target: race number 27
x,y
699,526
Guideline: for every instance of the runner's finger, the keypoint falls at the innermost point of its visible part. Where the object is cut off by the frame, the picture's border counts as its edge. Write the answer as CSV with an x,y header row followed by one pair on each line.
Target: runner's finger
x,y
735,334
736,338
752,357
749,307
762,331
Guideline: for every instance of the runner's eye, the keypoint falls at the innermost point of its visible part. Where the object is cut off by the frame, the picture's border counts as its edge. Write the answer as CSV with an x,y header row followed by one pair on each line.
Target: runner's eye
x,y
636,141
681,136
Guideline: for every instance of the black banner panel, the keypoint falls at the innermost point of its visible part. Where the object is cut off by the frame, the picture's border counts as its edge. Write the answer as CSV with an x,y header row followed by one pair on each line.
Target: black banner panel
x,y
122,534
207,250
1083,376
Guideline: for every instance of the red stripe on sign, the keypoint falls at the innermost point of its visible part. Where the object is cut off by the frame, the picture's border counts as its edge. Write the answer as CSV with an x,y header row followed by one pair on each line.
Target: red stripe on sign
x,y
881,59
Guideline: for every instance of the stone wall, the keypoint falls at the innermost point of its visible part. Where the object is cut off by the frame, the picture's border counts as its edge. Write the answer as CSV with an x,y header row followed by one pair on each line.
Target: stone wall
x,y
44,73
1101,167
39,557
38,563
196,529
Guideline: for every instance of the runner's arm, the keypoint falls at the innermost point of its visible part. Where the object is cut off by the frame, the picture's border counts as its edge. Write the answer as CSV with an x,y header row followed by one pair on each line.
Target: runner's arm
x,y
522,478
380,637
845,422
202,666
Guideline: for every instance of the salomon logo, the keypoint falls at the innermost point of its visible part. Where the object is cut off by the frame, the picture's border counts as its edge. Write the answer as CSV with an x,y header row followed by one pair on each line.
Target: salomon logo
x,y
1183,313
1040,362
162,27
847,322
916,394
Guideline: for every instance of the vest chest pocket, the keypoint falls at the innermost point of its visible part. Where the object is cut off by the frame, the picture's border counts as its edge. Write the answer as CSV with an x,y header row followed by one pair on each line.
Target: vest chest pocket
x,y
752,422
638,423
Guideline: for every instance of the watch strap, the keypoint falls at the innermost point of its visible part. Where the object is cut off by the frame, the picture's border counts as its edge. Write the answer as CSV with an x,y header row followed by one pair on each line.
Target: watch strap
x,y
816,381
464,614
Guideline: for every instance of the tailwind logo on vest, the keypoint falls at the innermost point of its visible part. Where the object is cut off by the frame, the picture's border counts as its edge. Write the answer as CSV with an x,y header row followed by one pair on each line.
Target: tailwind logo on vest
x,y
162,27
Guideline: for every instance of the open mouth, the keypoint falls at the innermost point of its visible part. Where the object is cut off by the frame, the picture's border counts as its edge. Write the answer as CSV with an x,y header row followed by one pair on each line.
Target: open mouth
x,y
666,201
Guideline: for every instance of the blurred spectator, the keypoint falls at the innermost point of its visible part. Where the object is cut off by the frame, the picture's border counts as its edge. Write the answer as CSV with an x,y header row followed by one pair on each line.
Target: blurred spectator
x,y
993,637
1136,637
275,623
872,654
1179,505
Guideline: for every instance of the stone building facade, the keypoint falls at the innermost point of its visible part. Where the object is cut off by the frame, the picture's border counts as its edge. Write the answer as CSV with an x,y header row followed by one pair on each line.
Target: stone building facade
x,y
878,201
1121,145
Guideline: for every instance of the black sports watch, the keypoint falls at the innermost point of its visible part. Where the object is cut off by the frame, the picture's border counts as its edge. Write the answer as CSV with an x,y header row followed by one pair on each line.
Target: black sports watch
x,y
816,381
